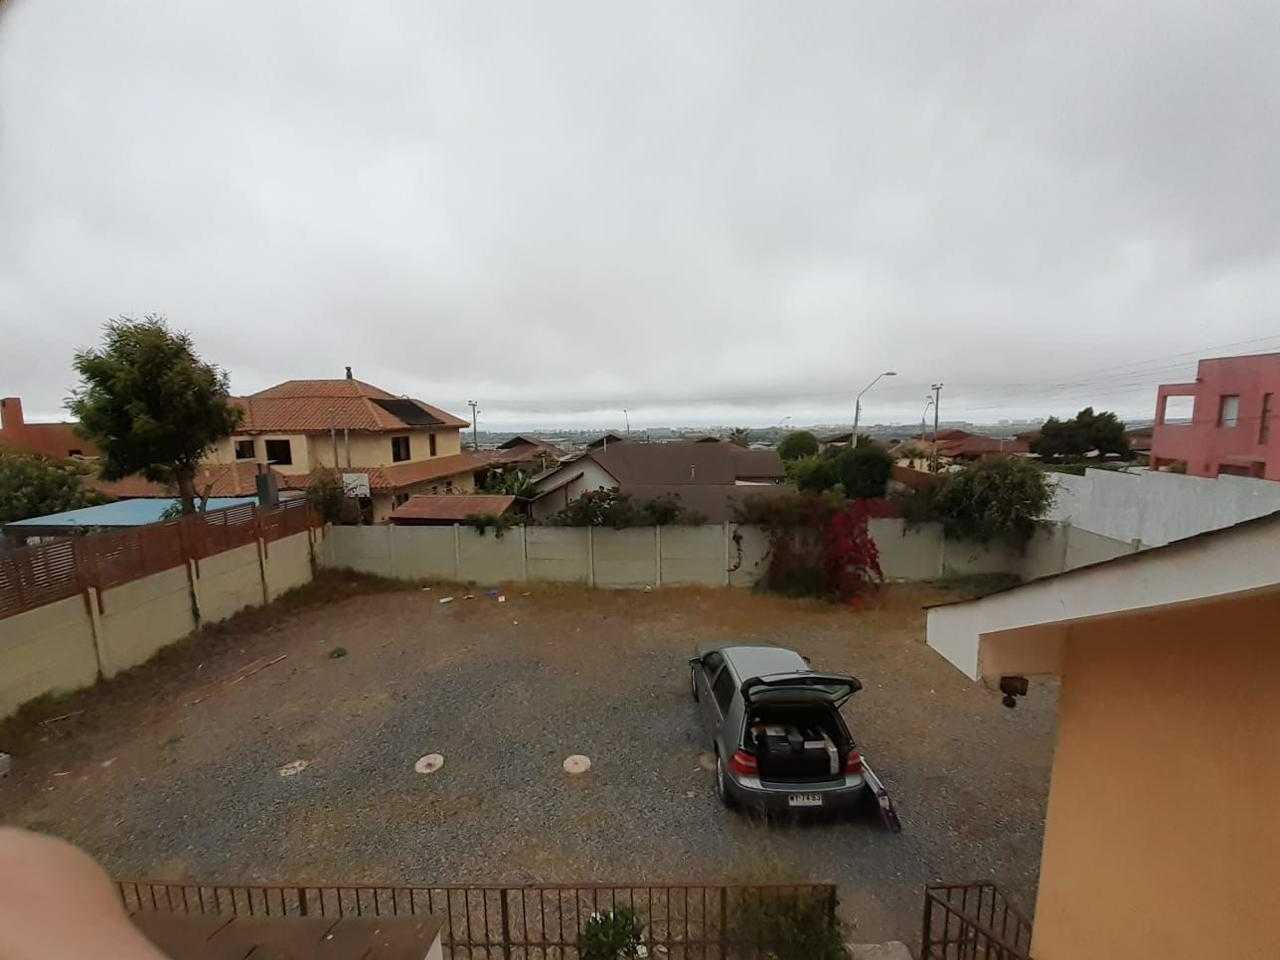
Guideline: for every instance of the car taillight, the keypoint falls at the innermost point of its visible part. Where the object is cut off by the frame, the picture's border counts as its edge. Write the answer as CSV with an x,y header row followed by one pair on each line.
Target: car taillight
x,y
853,763
744,764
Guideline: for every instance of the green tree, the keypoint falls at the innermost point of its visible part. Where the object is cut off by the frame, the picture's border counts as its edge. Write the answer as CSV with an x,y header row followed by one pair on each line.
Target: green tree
x,y
151,404
740,436
328,497
797,444
34,486
1072,439
864,470
1000,498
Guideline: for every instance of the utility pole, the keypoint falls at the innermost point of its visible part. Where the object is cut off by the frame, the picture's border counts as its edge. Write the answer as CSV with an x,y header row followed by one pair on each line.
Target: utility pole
x,y
475,430
937,397
627,417
928,402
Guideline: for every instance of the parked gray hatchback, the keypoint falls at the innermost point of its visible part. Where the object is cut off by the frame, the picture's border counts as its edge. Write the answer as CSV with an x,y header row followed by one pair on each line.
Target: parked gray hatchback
x,y
779,738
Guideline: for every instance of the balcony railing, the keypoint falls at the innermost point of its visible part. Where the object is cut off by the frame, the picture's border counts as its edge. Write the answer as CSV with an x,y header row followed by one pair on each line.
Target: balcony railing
x,y
967,921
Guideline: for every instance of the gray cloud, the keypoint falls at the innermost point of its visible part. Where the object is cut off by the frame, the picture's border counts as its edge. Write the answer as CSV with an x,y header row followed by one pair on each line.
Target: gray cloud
x,y
703,212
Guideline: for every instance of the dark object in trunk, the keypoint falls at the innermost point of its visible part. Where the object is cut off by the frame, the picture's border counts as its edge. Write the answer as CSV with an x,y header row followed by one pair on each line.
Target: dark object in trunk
x,y
798,746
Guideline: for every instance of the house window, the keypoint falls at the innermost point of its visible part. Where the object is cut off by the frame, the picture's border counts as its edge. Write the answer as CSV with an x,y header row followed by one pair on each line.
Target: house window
x,y
1229,410
244,449
1264,423
279,452
431,443
399,449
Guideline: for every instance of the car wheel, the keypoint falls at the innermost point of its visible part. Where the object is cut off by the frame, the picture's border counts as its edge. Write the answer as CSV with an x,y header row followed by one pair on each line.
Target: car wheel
x,y
722,790
693,684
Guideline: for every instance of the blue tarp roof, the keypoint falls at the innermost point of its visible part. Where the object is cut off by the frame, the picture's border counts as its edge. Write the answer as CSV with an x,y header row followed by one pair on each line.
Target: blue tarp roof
x,y
122,513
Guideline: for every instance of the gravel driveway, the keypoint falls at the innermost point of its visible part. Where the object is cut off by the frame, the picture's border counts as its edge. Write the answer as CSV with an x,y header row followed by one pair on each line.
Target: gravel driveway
x,y
172,772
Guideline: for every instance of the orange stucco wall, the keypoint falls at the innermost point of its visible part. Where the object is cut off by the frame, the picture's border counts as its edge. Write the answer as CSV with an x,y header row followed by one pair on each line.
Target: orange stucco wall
x,y
1163,830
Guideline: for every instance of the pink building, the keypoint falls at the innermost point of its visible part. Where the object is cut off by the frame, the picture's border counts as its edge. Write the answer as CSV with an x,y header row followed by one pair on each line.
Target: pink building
x,y
1231,428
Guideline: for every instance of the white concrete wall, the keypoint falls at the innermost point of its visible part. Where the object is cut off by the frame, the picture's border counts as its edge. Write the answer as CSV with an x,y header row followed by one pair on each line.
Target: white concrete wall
x,y
1235,561
706,554
559,553
46,650
694,555
140,617
57,648
287,563
228,582
625,558
907,554
1157,508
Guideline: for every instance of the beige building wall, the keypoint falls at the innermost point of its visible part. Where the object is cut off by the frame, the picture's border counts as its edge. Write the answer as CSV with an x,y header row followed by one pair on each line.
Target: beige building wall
x,y
1163,837
374,449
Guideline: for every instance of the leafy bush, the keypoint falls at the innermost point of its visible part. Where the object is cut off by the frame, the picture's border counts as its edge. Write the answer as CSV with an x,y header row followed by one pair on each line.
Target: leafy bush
x,y
612,935
33,486
786,927
819,545
328,498
861,471
515,483
797,444
499,523
1001,498
609,508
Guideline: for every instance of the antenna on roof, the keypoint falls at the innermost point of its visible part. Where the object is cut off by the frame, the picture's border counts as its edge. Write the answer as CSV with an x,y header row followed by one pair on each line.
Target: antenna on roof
x,y
349,377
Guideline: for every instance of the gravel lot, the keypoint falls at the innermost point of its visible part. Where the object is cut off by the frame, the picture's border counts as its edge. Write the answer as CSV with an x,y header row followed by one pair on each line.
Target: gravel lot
x,y
172,771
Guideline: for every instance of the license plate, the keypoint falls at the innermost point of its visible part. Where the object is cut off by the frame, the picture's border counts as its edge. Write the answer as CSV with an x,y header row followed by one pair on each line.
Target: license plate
x,y
804,799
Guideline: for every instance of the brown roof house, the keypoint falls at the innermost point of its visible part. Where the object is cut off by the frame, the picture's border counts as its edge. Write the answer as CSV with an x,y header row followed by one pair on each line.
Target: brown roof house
x,y
442,511
399,445
709,478
525,453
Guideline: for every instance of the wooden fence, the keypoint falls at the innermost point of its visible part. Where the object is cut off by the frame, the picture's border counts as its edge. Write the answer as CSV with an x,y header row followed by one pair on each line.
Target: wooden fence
x,y
31,577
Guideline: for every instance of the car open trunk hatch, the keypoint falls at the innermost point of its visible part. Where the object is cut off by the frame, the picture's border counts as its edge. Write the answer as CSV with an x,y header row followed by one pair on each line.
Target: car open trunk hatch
x,y
798,689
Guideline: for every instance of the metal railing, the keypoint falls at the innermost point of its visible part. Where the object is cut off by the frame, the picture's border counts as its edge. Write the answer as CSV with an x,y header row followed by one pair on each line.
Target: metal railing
x,y
966,921
681,922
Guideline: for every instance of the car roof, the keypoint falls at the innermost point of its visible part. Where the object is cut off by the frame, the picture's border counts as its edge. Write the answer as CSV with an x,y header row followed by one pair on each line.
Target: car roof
x,y
751,662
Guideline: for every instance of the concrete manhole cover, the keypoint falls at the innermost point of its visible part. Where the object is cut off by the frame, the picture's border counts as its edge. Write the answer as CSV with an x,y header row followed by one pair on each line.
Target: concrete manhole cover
x,y
429,764
577,764
293,767
707,761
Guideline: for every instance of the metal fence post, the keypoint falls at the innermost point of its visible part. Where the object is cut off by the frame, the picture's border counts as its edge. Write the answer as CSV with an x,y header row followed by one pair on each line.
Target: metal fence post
x,y
506,924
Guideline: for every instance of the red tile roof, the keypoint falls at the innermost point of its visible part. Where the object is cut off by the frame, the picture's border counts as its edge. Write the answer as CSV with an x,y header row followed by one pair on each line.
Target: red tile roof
x,y
322,405
406,474
450,508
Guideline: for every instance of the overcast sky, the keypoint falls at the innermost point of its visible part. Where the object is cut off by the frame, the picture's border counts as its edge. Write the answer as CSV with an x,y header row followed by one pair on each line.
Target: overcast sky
x,y
704,212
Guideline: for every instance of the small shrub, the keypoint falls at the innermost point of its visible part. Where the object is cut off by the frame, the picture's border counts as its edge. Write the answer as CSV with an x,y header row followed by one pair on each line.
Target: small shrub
x,y
786,927
612,935
499,523
329,499
609,508
337,653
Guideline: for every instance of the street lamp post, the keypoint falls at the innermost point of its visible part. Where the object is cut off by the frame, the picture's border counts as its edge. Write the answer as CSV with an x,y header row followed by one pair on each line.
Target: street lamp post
x,y
857,405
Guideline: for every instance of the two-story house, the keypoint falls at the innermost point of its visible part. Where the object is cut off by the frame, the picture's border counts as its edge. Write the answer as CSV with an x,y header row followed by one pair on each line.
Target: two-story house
x,y
1227,428
299,427
404,446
